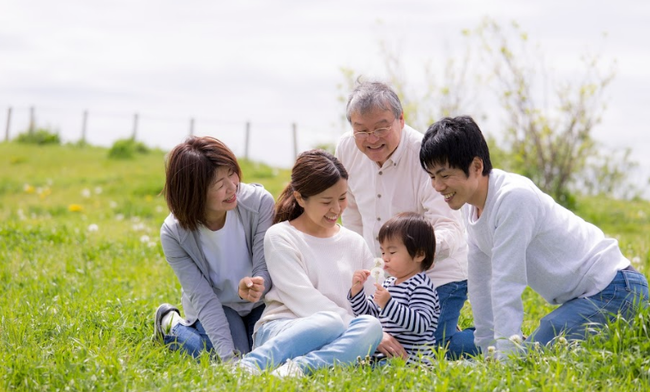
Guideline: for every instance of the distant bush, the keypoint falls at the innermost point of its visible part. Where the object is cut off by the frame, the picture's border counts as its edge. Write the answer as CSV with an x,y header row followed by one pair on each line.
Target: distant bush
x,y
127,149
39,136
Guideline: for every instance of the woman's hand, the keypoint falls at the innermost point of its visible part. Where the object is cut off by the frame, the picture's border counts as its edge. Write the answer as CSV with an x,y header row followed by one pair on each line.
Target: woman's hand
x,y
358,279
391,348
251,289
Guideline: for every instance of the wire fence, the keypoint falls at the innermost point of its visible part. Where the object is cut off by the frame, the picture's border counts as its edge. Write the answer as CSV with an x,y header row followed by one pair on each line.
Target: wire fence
x,y
274,143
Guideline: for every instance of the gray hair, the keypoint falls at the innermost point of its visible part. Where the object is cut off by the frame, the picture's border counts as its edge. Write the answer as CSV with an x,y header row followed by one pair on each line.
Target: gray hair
x,y
373,95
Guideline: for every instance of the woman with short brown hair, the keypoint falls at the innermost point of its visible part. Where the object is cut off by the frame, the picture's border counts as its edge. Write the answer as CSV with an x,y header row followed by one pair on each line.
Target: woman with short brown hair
x,y
214,241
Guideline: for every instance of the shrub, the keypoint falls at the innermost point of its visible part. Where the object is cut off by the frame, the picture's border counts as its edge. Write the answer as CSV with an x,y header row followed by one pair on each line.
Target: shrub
x,y
126,149
39,136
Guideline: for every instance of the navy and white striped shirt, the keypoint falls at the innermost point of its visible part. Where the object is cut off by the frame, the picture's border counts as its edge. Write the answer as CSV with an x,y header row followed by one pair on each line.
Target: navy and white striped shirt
x,y
410,316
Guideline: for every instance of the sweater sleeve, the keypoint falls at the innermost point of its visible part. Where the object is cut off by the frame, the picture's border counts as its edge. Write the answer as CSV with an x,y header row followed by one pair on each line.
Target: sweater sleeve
x,y
266,211
480,296
362,304
514,223
199,291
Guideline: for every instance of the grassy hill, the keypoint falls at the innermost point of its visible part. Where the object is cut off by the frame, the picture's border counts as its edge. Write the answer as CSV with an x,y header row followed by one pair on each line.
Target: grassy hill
x,y
82,271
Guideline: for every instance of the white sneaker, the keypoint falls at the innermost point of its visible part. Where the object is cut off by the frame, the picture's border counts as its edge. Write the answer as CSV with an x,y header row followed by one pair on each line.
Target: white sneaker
x,y
288,369
252,371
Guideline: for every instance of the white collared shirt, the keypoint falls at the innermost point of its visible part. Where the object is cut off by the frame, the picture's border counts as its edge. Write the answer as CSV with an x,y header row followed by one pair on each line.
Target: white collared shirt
x,y
375,194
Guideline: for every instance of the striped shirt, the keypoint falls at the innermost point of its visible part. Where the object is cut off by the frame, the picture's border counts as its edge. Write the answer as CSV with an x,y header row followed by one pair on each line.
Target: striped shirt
x,y
410,316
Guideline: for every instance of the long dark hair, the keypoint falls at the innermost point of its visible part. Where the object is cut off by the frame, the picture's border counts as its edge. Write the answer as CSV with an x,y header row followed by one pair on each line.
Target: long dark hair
x,y
314,172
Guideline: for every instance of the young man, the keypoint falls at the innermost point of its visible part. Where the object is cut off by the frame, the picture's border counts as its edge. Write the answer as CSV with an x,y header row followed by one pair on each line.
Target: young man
x,y
519,236
381,155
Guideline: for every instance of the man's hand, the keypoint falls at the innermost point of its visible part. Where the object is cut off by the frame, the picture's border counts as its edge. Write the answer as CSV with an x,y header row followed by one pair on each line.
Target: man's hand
x,y
382,296
358,279
251,289
391,348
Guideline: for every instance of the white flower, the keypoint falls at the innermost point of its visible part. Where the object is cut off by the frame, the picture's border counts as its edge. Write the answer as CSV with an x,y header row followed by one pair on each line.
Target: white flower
x,y
562,340
85,192
491,350
144,238
119,217
636,260
112,204
159,209
151,244
378,274
379,262
98,190
516,339
93,227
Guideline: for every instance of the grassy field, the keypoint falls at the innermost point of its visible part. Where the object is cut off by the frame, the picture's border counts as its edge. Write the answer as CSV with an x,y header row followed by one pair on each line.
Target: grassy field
x,y
82,272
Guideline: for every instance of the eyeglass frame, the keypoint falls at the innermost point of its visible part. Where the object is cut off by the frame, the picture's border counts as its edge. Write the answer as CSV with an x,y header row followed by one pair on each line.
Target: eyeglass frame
x,y
363,135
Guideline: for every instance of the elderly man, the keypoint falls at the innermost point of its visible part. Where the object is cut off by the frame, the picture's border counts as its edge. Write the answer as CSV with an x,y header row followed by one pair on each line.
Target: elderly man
x,y
381,155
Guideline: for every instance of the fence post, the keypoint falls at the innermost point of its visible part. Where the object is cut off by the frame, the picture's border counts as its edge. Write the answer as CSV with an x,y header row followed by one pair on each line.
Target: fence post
x,y
8,124
295,141
192,126
32,120
135,126
247,138
84,123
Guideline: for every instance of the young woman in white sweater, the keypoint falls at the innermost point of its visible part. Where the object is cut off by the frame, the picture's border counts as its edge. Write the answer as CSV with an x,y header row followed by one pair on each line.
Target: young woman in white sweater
x,y
308,323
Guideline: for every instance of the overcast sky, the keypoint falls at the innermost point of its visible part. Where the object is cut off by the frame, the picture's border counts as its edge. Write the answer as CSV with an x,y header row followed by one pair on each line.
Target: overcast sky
x,y
275,63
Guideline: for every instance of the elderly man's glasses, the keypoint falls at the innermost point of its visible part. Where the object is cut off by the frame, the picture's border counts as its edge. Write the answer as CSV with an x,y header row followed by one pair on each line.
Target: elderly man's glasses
x,y
378,133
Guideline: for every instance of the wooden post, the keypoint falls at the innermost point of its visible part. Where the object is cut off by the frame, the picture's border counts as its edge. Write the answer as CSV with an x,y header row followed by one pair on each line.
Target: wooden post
x,y
295,141
191,126
247,138
8,124
84,123
32,120
135,126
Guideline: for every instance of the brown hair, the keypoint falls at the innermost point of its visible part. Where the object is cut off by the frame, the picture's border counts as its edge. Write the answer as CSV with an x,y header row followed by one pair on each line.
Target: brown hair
x,y
314,172
416,233
190,170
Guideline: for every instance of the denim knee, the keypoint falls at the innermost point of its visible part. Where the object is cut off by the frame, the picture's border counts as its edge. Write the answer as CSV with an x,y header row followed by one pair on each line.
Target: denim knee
x,y
329,323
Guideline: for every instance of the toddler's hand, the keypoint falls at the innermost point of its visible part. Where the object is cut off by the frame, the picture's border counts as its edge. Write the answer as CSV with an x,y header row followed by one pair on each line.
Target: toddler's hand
x,y
358,279
382,296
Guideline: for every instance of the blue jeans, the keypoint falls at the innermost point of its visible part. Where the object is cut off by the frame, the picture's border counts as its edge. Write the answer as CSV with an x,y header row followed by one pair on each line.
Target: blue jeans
x,y
314,342
193,339
452,297
577,318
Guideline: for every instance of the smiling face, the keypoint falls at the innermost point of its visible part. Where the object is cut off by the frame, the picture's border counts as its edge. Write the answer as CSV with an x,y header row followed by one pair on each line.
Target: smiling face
x,y
322,211
397,260
458,188
222,195
378,149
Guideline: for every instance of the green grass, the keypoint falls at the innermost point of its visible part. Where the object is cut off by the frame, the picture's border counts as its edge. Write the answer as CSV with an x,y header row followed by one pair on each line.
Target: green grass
x,y
82,271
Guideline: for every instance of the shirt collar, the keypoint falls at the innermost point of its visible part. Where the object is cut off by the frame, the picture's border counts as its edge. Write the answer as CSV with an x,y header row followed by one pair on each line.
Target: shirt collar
x,y
399,151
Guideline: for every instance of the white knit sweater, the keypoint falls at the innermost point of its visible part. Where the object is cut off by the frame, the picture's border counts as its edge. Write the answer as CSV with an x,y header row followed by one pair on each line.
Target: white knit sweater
x,y
311,274
524,238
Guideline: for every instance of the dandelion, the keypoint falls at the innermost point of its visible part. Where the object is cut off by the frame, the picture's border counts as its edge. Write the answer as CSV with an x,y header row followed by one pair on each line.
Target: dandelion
x,y
148,198
378,274
151,244
92,227
75,208
28,188
562,341
112,204
636,260
119,217
98,190
379,262
85,193
516,339
159,209
21,214
144,238
139,226
44,192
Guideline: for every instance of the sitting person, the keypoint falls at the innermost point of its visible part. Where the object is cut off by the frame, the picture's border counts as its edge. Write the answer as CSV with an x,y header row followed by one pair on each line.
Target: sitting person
x,y
308,323
518,237
214,241
406,303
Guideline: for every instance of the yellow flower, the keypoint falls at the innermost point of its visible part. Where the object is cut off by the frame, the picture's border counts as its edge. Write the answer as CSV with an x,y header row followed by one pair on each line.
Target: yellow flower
x,y
75,207
29,188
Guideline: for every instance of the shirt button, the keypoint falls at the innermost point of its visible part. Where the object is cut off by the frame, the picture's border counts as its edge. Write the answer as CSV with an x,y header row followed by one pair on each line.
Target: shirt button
x,y
378,218
379,196
380,173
